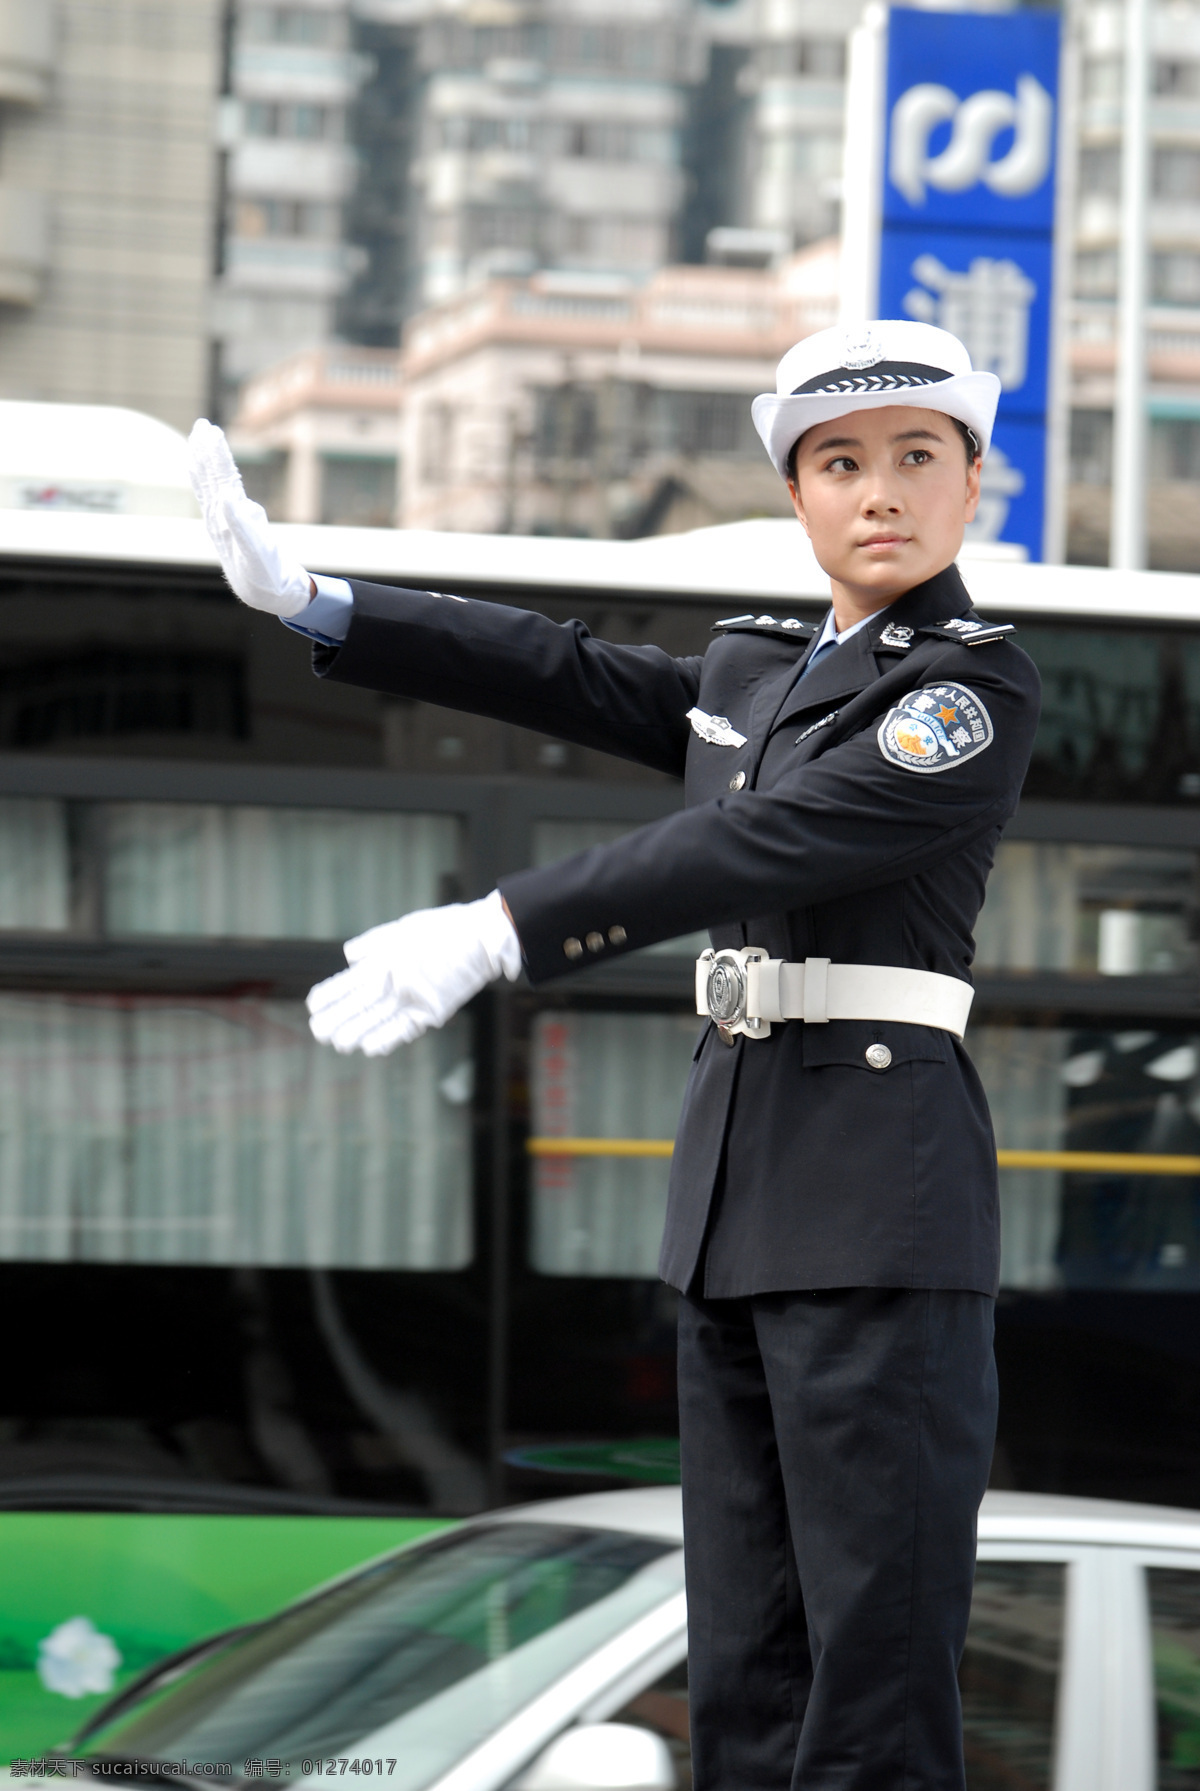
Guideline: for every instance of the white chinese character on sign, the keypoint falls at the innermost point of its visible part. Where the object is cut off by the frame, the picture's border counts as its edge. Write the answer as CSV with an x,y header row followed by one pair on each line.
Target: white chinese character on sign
x,y
987,308
961,737
999,483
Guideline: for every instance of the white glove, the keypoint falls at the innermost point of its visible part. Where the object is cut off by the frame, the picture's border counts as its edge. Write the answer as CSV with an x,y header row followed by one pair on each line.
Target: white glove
x,y
412,974
239,529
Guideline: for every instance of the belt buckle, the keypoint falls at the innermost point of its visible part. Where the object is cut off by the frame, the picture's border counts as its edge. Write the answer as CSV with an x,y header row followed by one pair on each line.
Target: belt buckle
x,y
727,992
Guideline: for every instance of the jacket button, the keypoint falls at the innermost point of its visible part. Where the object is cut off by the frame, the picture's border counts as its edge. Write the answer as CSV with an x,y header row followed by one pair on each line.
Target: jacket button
x,y
595,941
617,935
738,782
572,948
878,1056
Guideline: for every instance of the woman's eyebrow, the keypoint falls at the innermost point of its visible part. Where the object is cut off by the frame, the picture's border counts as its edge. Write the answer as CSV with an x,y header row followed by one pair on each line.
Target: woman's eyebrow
x,y
919,435
838,441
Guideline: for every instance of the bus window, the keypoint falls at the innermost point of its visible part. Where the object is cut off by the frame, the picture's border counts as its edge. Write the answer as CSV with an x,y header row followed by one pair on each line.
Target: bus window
x,y
35,865
1175,1634
1107,910
1110,1093
227,871
206,1131
1120,714
605,1076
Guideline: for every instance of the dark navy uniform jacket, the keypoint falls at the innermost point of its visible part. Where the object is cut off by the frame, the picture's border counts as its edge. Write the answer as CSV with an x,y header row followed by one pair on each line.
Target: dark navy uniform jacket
x,y
857,822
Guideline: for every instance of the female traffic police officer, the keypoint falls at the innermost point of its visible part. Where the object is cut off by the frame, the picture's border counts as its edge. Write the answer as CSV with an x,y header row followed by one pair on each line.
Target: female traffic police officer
x,y
832,1224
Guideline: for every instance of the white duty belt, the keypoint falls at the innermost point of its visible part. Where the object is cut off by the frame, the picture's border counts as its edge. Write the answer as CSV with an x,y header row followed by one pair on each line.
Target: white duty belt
x,y
745,991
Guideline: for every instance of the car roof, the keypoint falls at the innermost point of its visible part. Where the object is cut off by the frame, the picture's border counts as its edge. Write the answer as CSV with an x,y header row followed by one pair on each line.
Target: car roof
x,y
1004,1517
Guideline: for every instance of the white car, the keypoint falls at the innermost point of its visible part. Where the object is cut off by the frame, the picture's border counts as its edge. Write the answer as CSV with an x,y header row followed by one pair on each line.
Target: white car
x,y
543,1648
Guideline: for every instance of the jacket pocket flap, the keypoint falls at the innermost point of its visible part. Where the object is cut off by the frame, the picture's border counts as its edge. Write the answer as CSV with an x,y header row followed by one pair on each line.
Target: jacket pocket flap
x,y
848,1041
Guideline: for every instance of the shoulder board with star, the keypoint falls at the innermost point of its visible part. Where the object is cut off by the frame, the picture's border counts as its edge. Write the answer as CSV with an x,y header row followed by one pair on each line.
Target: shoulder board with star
x,y
969,630
789,629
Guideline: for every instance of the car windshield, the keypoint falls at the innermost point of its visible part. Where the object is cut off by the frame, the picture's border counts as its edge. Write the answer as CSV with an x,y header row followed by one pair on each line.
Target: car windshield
x,y
404,1667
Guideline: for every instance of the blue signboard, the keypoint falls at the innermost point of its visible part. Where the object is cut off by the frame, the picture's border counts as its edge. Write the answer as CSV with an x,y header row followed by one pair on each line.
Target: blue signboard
x,y
968,222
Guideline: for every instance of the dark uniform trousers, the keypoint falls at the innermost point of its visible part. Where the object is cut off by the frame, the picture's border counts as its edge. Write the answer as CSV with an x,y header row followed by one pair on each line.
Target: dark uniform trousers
x,y
832,1219
835,1448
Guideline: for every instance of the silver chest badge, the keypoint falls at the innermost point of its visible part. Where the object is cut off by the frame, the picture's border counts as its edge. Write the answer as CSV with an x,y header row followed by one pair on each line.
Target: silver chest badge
x,y
715,729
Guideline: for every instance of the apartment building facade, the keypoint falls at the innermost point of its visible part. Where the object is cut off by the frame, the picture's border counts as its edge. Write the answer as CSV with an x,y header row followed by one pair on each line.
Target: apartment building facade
x,y
106,201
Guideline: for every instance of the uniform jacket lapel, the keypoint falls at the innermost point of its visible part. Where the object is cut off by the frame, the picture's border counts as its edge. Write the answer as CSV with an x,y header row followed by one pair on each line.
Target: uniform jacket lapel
x,y
854,665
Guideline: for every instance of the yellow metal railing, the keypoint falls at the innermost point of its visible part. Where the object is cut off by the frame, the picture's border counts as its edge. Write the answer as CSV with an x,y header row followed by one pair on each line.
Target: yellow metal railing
x,y
1077,1161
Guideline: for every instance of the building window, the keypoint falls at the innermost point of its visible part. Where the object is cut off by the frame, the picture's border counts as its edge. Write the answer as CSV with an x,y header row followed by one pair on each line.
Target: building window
x,y
310,218
291,25
1175,277
359,490
265,119
1177,174
437,442
1091,447
1180,79
1102,78
1100,172
1096,273
565,422
1175,449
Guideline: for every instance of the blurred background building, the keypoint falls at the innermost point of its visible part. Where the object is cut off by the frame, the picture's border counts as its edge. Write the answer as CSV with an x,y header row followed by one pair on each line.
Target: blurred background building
x,y
246,206
107,202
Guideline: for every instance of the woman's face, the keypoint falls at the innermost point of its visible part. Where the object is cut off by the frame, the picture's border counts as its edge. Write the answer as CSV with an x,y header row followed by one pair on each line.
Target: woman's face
x,y
884,495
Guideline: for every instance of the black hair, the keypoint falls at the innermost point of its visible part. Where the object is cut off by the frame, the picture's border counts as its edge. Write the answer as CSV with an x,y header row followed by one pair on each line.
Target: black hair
x,y
970,442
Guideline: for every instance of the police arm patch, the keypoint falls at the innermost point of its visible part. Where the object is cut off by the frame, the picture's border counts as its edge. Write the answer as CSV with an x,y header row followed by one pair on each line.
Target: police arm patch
x,y
935,728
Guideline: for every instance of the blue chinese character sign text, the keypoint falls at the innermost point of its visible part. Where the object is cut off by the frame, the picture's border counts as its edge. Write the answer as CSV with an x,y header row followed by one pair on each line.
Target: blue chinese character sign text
x,y
967,241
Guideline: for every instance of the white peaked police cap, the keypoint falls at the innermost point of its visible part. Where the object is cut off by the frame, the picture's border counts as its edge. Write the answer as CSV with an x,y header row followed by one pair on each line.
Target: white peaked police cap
x,y
866,366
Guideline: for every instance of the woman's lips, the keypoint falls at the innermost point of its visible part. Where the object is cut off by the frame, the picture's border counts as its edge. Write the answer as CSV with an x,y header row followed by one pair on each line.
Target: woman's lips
x,y
885,541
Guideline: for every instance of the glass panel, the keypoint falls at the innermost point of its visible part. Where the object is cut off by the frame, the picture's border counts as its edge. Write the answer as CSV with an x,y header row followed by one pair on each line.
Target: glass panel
x,y
1130,1091
1120,714
1009,1675
142,1129
1175,1632
35,864
417,1658
553,840
1021,1069
663,1709
1116,910
605,1076
270,873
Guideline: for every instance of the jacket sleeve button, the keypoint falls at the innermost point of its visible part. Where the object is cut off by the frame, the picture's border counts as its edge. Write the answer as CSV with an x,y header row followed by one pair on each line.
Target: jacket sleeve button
x,y
572,948
738,782
617,935
878,1056
595,941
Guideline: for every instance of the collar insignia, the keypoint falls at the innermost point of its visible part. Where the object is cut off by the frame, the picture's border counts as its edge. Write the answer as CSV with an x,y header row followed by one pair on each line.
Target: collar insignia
x,y
897,636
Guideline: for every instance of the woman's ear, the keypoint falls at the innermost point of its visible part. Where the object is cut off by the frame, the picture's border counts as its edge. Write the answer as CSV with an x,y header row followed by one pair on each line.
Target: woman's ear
x,y
973,476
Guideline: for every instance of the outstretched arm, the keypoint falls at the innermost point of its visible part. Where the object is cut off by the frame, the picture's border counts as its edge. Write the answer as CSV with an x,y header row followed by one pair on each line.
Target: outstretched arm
x,y
513,665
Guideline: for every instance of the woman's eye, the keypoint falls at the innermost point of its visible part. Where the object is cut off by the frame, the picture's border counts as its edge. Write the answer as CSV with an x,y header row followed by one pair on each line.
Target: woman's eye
x,y
916,457
843,464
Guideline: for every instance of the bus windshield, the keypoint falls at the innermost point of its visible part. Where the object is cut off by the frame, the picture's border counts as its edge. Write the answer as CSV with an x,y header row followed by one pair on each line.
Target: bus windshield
x,y
414,1659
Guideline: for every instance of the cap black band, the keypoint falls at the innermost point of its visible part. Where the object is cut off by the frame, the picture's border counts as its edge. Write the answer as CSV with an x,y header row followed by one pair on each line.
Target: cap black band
x,y
885,376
